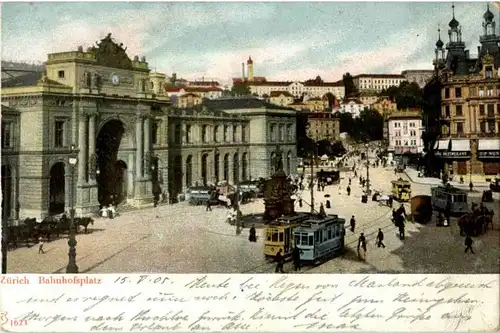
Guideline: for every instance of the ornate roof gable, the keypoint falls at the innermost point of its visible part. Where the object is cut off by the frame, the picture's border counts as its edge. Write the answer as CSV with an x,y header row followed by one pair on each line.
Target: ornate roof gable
x,y
110,54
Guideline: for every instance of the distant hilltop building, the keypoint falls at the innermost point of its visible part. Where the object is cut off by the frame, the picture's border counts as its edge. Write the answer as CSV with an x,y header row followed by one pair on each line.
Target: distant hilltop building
x,y
250,77
375,83
261,87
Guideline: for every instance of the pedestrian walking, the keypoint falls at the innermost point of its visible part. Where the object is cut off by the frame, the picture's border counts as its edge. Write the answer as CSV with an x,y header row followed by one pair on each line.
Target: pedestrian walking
x,y
349,181
362,243
468,244
296,258
209,206
323,187
401,226
380,238
40,246
280,261
300,203
353,223
355,173
252,235
348,190
340,189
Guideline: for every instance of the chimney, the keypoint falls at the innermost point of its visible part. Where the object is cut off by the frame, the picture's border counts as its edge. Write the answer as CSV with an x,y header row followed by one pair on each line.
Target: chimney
x,y
243,71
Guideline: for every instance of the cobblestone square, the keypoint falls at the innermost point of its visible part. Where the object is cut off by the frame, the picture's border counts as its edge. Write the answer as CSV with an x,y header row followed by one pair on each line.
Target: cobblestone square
x,y
186,239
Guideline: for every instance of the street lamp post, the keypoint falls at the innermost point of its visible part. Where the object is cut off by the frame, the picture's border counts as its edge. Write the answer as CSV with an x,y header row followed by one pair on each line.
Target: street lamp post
x,y
367,172
72,268
314,156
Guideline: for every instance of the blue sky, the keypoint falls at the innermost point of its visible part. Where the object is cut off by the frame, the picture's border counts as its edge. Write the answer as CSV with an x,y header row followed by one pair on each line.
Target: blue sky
x,y
294,40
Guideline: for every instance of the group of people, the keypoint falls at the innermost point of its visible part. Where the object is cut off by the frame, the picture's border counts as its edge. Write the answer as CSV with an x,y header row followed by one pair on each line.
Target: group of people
x,y
109,212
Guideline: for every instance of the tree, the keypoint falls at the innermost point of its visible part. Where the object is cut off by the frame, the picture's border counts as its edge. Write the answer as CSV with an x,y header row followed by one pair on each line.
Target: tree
x,y
331,99
350,88
240,89
372,124
407,95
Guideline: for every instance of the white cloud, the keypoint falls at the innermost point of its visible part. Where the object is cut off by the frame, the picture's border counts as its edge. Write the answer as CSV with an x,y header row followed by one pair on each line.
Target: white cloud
x,y
220,64
141,31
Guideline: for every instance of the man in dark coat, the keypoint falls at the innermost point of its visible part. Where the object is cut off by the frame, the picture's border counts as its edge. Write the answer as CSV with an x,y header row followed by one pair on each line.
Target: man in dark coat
x,y
296,258
362,242
252,235
280,261
348,190
468,244
353,223
380,238
400,223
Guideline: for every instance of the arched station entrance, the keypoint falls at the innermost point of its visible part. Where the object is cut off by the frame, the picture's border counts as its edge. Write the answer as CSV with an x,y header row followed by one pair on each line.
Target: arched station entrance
x,y
112,174
57,187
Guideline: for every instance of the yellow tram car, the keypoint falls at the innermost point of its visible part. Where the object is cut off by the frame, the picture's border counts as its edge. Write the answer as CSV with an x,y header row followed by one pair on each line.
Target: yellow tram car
x,y
401,190
279,234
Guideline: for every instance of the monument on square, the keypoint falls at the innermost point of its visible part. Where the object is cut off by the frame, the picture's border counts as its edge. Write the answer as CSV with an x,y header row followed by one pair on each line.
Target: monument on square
x,y
278,191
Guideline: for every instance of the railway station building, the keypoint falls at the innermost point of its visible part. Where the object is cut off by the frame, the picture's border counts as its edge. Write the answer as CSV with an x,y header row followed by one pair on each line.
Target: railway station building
x,y
113,115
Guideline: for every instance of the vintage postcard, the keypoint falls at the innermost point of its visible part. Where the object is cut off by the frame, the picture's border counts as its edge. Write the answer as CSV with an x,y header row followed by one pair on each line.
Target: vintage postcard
x,y
179,166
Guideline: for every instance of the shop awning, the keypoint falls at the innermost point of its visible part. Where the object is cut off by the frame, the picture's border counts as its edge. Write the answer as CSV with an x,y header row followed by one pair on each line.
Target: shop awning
x,y
489,148
489,144
460,145
442,145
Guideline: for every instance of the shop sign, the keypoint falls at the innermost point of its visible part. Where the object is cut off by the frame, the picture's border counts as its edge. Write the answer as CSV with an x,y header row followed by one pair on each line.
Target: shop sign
x,y
489,154
452,154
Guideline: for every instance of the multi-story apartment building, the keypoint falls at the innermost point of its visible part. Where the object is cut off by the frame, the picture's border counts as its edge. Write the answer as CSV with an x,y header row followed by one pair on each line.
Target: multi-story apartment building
x,y
282,98
298,89
405,133
114,115
469,140
323,126
352,106
376,82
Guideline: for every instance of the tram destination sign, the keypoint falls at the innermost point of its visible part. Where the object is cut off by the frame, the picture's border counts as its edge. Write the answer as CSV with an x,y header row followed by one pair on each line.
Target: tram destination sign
x,y
489,154
452,154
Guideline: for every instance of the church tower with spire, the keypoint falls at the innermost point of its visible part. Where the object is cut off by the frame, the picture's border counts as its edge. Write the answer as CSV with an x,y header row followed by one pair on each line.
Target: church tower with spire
x,y
456,59
489,40
440,53
250,68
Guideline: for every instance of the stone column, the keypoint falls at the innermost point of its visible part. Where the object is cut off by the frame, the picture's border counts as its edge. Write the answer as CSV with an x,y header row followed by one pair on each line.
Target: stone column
x,y
92,155
139,148
82,146
147,146
231,168
130,178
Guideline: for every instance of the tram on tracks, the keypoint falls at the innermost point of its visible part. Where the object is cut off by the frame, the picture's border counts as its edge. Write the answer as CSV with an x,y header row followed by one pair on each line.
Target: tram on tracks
x,y
449,197
401,190
279,234
320,237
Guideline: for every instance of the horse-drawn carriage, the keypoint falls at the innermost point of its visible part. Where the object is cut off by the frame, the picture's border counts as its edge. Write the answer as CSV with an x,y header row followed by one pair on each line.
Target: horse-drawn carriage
x,y
328,177
50,228
476,222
